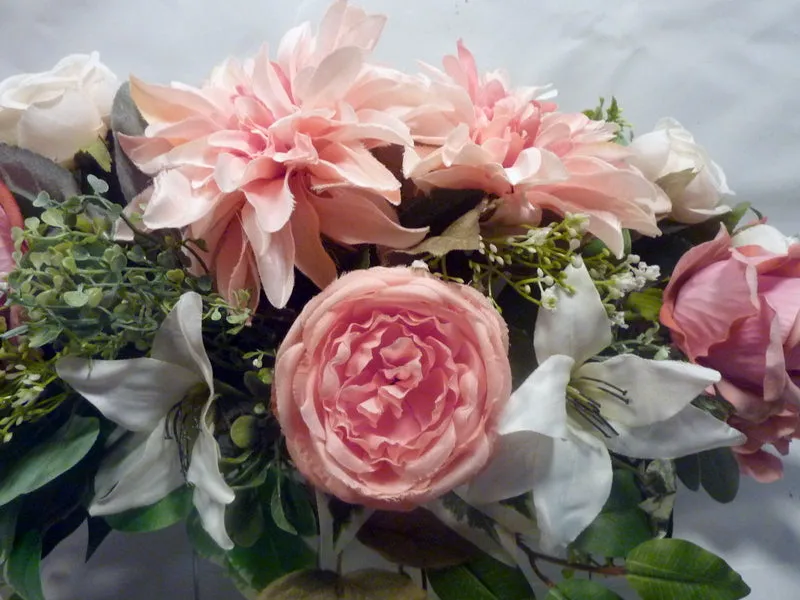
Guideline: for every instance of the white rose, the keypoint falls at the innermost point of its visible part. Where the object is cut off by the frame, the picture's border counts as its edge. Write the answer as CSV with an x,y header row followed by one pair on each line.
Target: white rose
x,y
670,149
58,112
765,236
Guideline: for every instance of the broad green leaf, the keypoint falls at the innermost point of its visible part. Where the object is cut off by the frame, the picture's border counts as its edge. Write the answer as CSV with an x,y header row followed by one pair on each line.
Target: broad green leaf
x,y
463,234
75,298
719,474
581,589
459,583
22,570
505,582
670,569
8,526
273,555
621,525
26,174
732,219
98,152
688,471
172,508
646,303
244,519
50,458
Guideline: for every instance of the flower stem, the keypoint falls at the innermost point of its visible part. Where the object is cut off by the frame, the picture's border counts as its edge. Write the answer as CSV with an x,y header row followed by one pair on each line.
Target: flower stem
x,y
533,556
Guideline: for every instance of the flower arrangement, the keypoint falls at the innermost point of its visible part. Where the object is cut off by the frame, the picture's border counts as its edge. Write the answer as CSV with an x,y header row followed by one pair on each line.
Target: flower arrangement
x,y
318,303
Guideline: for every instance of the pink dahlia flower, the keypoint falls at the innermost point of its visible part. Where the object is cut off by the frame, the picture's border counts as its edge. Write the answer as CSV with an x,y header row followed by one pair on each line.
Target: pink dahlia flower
x,y
269,157
513,144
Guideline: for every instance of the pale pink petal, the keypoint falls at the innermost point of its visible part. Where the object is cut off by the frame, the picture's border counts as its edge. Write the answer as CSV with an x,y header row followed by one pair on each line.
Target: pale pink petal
x,y
160,104
268,87
342,165
310,256
273,202
332,78
163,212
274,255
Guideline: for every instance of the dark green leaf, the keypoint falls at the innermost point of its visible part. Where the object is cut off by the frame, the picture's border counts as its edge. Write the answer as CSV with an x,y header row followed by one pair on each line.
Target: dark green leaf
x,y
581,589
126,120
621,525
688,471
202,543
290,506
172,508
98,153
8,526
646,303
459,583
670,569
26,174
505,582
49,459
23,567
719,474
244,519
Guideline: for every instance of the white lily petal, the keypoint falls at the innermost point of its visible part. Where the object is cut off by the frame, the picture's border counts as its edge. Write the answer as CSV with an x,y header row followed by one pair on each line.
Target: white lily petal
x,y
540,403
179,340
134,393
572,484
211,493
691,430
657,389
579,326
510,471
139,472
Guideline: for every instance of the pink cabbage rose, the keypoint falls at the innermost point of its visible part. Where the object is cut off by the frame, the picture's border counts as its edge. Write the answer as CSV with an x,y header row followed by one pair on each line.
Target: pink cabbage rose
x,y
389,385
270,156
734,305
513,144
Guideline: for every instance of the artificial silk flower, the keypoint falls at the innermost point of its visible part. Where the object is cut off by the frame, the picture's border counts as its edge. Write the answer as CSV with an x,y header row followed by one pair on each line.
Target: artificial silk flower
x,y
272,155
140,394
559,426
515,145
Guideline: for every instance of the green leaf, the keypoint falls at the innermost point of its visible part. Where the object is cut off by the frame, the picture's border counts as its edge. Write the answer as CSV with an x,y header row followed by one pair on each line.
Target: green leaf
x,y
23,568
98,152
126,119
174,507
244,518
244,431
505,582
646,303
27,174
41,337
733,218
8,526
98,186
463,234
76,298
53,217
719,474
688,471
621,525
459,583
581,589
50,458
290,507
669,569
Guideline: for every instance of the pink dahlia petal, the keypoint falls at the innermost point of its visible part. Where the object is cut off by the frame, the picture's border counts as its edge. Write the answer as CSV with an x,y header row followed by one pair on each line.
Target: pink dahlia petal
x,y
268,87
162,212
761,466
274,255
272,200
341,166
311,258
331,79
160,104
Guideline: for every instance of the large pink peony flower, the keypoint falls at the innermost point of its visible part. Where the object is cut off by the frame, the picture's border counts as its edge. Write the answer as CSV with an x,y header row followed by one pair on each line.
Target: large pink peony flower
x,y
389,385
270,157
734,305
515,145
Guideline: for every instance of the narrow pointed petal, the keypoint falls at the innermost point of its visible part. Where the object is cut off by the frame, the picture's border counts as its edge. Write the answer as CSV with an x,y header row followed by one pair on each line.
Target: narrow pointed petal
x,y
124,390
139,472
572,483
179,340
332,78
579,326
211,493
540,405
160,104
273,202
275,255
311,258
691,430
656,389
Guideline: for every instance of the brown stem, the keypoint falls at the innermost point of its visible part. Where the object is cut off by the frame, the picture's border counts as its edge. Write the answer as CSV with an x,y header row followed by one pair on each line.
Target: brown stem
x,y
545,579
607,570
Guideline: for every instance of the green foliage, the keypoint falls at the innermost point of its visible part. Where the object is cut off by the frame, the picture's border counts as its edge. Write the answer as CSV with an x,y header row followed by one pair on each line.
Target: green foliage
x,y
670,569
460,583
173,508
49,458
290,505
612,114
581,589
621,525
27,175
23,566
715,470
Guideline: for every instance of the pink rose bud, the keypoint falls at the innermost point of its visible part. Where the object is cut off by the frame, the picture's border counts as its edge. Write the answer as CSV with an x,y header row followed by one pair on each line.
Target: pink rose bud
x,y
734,305
389,386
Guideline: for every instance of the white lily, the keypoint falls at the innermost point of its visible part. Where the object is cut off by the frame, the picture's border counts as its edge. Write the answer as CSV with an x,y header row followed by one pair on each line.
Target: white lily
x,y
640,408
139,395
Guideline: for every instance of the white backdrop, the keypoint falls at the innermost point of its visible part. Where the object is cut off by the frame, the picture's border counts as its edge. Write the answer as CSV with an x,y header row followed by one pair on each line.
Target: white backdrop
x,y
729,71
